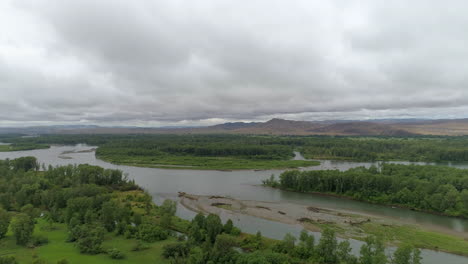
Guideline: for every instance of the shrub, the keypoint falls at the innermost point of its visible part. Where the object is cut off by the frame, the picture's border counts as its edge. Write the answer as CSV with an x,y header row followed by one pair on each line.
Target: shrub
x,y
8,260
173,250
116,254
39,240
139,246
151,233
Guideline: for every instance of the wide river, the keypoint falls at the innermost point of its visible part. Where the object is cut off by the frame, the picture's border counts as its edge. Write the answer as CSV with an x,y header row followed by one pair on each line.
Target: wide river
x,y
244,185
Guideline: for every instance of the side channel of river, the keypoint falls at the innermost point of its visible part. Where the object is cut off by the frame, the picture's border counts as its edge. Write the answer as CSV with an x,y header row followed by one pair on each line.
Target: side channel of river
x,y
244,185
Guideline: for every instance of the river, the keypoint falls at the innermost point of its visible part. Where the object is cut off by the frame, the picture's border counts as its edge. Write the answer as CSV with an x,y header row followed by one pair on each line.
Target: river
x,y
244,185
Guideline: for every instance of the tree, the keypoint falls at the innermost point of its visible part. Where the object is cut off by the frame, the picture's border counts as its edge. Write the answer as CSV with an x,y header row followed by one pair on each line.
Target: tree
x,y
200,220
149,232
25,163
4,222
214,227
178,249
305,249
22,227
166,221
406,254
416,256
373,252
344,253
228,226
222,251
108,212
287,245
195,233
168,207
90,240
327,246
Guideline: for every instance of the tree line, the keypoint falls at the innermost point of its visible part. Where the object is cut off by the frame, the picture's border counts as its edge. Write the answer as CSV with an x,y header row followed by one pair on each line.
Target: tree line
x,y
427,149
436,189
414,148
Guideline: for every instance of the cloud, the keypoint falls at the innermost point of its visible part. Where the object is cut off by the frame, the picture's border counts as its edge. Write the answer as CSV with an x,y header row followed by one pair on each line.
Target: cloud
x,y
171,62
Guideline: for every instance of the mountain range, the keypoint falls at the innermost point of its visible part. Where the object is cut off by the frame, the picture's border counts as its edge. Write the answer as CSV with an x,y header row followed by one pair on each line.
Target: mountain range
x,y
276,126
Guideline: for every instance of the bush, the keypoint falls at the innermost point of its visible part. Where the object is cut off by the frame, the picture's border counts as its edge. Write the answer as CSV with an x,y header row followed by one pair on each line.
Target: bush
x,y
235,231
8,260
130,232
151,233
139,246
90,240
173,250
39,240
22,227
116,254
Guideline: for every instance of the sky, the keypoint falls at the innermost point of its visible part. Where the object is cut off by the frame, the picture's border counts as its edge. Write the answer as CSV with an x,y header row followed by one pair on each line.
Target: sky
x,y
166,63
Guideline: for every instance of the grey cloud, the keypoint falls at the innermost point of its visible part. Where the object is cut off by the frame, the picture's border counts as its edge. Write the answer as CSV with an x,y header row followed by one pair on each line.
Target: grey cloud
x,y
156,62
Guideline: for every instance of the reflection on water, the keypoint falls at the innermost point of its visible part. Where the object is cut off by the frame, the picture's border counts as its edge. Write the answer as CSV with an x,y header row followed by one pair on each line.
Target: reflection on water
x,y
164,183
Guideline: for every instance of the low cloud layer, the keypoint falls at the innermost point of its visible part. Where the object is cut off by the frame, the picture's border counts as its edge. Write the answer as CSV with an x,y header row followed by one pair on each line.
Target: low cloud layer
x,y
146,62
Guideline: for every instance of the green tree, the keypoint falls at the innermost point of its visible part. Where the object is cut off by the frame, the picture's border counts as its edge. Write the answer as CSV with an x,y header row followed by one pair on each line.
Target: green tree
x,y
222,251
228,226
344,253
373,252
108,215
149,232
168,207
327,246
90,240
214,227
22,226
287,245
406,254
4,222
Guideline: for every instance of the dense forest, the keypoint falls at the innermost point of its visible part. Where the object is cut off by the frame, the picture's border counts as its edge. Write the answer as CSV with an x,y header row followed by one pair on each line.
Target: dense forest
x,y
428,149
253,151
223,152
87,214
435,189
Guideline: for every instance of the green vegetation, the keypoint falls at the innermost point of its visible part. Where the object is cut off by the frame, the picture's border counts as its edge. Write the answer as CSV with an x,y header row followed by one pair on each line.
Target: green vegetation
x,y
427,149
214,152
436,189
253,151
87,214
19,147
417,237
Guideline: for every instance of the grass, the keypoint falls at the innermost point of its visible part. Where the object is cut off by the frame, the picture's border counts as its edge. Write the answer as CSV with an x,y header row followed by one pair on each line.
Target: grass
x,y
19,147
395,234
58,249
205,163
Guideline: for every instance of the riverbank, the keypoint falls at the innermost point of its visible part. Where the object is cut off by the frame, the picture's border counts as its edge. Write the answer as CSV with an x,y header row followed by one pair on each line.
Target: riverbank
x,y
368,202
19,147
346,224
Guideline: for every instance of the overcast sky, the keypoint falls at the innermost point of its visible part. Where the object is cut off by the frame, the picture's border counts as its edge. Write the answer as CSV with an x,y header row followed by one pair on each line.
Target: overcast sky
x,y
156,63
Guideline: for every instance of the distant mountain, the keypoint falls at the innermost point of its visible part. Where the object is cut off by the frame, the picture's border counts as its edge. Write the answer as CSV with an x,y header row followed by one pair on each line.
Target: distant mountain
x,y
276,126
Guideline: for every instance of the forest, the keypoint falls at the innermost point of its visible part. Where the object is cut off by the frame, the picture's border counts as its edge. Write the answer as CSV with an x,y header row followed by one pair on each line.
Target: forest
x,y
417,148
221,152
87,214
254,151
436,189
